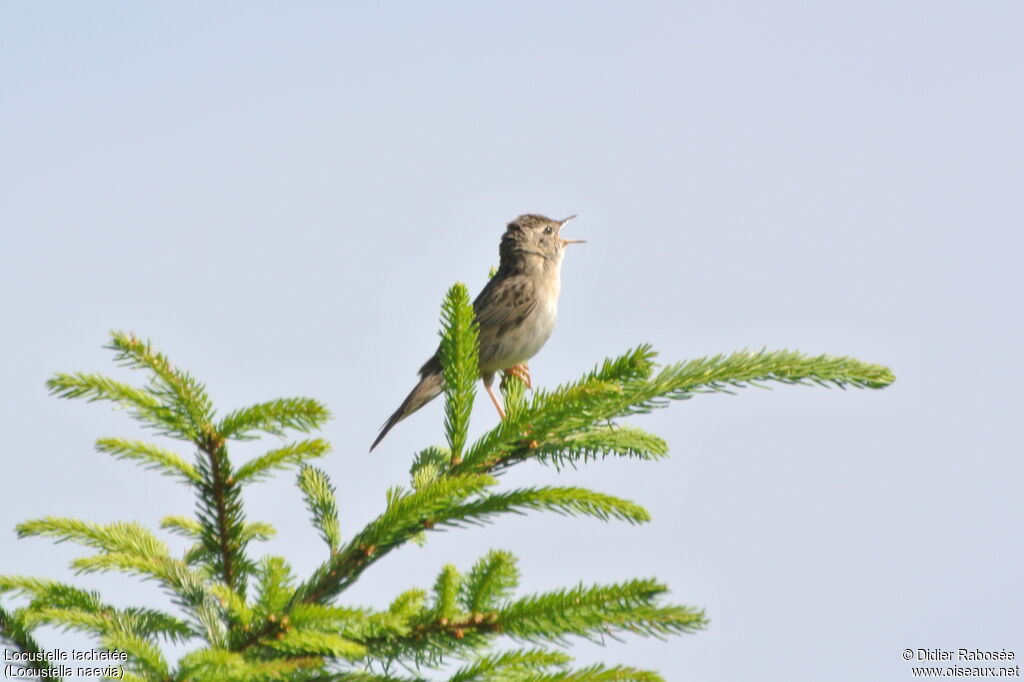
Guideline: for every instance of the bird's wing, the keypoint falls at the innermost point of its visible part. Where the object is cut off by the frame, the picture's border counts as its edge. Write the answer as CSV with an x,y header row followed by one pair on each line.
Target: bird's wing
x,y
504,304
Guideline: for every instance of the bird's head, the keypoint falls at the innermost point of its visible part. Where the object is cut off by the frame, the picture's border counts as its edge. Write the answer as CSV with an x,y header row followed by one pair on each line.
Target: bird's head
x,y
535,236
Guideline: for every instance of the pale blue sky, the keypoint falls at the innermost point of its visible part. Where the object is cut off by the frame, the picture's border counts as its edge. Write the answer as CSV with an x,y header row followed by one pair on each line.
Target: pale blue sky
x,y
278,196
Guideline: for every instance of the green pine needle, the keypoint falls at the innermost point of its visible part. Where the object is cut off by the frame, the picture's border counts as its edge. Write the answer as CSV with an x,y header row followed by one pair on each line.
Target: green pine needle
x,y
319,494
141,404
595,611
222,665
292,628
150,456
274,417
312,643
458,353
120,536
290,455
551,424
564,500
177,390
446,593
509,665
600,673
17,633
182,525
490,582
275,585
144,656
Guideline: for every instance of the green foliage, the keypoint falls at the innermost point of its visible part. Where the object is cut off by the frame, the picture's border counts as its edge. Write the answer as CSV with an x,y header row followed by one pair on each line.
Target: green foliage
x,y
509,664
15,632
284,457
151,456
246,618
446,593
596,611
492,580
274,417
458,353
567,501
539,665
319,495
276,584
561,425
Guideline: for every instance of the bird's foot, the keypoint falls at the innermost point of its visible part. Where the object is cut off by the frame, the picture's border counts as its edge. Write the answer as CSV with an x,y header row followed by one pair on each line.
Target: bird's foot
x,y
522,372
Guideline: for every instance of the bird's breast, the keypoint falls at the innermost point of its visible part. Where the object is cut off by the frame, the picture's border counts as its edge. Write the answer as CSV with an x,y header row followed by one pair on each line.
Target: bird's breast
x,y
520,343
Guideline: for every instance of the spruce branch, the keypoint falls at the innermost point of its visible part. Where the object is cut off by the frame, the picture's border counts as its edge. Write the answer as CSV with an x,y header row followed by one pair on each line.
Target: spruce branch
x,y
150,456
409,604
144,657
293,454
182,525
599,610
449,628
600,673
572,401
407,514
69,608
177,405
224,665
352,623
459,352
446,593
275,584
319,494
17,634
510,665
625,386
447,503
291,628
313,643
744,367
179,390
198,554
620,440
142,405
428,465
125,547
409,510
220,513
564,500
361,676
47,591
234,606
274,417
107,620
257,531
491,580
118,537
536,664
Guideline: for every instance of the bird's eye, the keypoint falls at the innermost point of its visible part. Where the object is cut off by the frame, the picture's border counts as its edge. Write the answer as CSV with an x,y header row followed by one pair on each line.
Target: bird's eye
x,y
548,230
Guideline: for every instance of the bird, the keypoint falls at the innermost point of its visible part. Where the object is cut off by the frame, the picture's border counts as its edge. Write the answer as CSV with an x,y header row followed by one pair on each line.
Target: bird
x,y
515,312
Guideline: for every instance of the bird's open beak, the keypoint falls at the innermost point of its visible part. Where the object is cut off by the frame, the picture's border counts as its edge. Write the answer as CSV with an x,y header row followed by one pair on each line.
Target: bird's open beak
x,y
569,241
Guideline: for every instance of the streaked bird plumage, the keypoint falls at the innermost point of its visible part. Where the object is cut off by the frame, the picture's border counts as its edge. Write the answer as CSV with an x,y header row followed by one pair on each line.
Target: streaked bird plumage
x,y
515,311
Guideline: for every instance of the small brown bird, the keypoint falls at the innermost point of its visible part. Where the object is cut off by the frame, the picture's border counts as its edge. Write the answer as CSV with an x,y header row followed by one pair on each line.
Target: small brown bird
x,y
516,311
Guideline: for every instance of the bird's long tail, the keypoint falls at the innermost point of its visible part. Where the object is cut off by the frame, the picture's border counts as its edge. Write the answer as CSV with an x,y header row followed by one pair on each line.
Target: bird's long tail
x,y
429,387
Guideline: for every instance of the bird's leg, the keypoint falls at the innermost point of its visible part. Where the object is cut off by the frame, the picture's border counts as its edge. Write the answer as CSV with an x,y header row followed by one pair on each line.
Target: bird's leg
x,y
522,372
497,405
488,381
